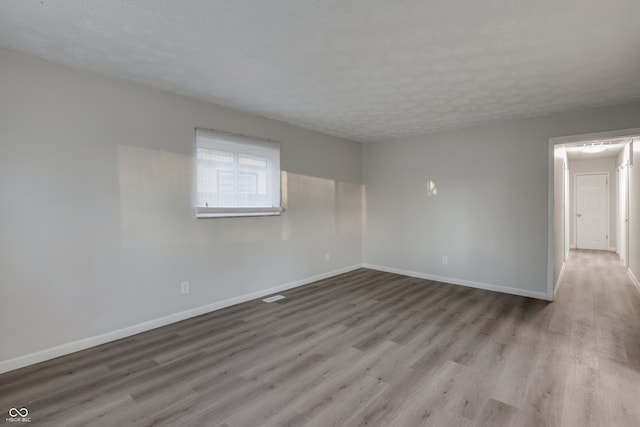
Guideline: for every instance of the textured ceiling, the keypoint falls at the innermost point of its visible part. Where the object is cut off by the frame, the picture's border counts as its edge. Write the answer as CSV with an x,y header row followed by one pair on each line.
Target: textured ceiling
x,y
368,70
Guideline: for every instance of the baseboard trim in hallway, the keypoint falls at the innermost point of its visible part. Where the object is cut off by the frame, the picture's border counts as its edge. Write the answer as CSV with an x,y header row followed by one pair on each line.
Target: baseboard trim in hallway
x,y
82,344
634,279
559,281
462,282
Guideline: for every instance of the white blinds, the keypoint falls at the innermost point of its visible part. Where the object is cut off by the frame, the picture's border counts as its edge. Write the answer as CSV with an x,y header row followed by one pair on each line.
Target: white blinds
x,y
236,175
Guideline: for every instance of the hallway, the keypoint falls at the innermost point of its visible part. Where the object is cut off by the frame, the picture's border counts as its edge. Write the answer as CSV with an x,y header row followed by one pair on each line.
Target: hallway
x,y
598,308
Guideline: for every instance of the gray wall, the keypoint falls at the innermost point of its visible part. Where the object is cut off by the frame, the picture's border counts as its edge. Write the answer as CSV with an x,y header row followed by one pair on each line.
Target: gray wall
x,y
607,164
490,214
96,226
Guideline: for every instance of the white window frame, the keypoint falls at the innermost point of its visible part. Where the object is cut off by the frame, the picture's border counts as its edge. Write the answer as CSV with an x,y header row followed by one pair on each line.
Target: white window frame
x,y
216,203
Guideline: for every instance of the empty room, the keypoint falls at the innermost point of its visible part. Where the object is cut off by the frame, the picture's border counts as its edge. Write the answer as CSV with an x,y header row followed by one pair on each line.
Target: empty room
x,y
319,213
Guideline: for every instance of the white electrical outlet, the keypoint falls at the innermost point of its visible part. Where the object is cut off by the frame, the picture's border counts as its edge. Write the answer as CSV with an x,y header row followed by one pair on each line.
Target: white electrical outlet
x,y
327,257
184,287
445,259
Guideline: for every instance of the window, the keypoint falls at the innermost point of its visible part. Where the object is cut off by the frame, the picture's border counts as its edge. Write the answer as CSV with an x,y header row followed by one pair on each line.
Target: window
x,y
236,175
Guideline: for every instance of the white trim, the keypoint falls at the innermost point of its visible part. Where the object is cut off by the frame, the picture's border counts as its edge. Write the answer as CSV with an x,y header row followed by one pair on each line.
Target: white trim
x,y
624,175
462,282
72,347
566,205
550,228
613,249
612,134
575,204
573,246
633,278
559,281
207,212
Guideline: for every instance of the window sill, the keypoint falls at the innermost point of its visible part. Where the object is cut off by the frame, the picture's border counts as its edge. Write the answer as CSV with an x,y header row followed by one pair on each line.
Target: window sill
x,y
204,212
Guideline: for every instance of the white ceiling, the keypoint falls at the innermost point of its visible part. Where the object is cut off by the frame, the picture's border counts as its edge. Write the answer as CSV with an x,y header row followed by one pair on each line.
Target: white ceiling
x,y
368,70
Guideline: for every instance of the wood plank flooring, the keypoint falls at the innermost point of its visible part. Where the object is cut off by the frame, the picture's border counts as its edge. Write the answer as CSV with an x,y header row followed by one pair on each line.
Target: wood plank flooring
x,y
365,348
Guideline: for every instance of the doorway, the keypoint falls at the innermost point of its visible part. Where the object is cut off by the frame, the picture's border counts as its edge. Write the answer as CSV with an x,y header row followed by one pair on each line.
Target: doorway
x,y
599,164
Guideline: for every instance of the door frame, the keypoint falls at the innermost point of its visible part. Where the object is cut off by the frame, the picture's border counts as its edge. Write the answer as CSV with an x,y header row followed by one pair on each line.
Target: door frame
x,y
622,133
608,206
624,175
566,202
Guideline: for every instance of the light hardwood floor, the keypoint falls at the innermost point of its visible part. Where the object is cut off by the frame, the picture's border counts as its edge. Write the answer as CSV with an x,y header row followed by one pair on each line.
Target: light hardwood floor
x,y
365,349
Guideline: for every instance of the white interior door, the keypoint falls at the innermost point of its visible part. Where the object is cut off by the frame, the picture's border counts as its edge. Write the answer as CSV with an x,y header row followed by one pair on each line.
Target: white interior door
x,y
592,223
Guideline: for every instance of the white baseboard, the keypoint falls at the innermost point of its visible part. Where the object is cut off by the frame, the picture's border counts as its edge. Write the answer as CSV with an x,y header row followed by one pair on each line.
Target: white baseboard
x,y
468,283
633,278
72,347
572,246
613,249
559,281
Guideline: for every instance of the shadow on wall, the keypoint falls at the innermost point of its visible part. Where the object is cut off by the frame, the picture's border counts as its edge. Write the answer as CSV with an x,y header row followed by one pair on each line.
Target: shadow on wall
x,y
156,206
